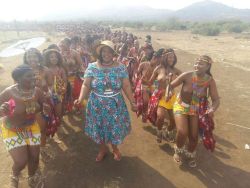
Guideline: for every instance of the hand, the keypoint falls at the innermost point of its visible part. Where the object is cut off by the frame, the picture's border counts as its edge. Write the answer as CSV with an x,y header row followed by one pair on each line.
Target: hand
x,y
46,109
168,96
4,108
210,112
133,106
77,102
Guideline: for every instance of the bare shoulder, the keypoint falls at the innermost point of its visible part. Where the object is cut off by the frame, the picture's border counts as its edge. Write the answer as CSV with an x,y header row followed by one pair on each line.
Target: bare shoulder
x,y
186,75
158,68
7,93
7,90
177,71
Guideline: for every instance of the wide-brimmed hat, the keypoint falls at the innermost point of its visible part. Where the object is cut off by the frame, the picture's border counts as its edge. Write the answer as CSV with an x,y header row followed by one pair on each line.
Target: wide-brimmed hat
x,y
107,43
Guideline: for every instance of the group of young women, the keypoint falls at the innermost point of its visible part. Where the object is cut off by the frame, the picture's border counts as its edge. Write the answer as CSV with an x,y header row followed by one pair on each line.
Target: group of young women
x,y
61,78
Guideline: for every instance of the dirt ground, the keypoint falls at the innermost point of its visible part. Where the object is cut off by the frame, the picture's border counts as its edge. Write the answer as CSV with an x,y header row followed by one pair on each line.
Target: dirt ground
x,y
70,163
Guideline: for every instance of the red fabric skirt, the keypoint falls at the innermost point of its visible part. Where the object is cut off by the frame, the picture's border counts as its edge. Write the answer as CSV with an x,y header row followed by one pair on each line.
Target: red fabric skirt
x,y
206,125
138,95
153,105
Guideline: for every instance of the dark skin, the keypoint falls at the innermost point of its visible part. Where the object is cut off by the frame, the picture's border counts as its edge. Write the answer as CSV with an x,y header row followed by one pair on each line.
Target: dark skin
x,y
145,71
54,68
24,155
107,56
74,61
187,126
161,74
46,78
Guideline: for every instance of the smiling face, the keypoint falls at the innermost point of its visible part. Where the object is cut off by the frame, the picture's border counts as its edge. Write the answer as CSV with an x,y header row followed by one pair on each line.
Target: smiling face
x,y
107,54
201,66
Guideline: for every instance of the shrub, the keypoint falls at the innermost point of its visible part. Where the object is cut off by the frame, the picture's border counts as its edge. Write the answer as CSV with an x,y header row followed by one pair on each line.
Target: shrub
x,y
206,29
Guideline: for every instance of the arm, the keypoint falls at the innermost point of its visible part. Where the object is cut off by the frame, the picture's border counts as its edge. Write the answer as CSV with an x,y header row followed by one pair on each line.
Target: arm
x,y
178,72
154,76
128,92
78,60
179,80
139,70
214,97
85,90
4,107
41,99
176,82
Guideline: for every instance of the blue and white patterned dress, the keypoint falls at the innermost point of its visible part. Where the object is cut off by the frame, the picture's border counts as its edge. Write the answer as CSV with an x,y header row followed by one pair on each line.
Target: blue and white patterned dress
x,y
107,117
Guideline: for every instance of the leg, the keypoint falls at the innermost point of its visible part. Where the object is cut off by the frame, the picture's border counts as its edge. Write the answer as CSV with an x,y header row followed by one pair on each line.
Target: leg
x,y
20,158
33,160
102,153
159,122
145,105
116,152
35,179
182,132
193,141
172,125
193,133
42,124
182,129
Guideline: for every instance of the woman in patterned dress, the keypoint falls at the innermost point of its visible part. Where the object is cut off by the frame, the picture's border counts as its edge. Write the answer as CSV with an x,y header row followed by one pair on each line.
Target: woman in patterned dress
x,y
107,117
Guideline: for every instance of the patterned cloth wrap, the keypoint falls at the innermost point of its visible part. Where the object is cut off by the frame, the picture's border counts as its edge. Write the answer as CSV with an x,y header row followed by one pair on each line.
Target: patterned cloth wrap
x,y
153,105
73,91
138,95
206,125
52,120
15,137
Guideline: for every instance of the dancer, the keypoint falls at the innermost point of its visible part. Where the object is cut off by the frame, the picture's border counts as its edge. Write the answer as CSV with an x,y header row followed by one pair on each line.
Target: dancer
x,y
197,86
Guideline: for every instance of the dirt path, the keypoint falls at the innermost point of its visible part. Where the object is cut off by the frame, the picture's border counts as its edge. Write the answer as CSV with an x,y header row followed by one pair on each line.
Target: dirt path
x,y
146,164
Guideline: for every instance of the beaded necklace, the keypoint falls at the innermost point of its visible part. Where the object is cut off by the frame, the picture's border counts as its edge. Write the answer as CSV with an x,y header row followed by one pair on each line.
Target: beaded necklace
x,y
199,85
28,98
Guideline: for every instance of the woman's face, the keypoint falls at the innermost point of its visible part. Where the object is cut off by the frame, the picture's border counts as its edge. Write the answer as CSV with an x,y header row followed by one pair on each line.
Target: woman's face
x,y
201,67
107,54
63,45
32,59
53,58
170,59
27,81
